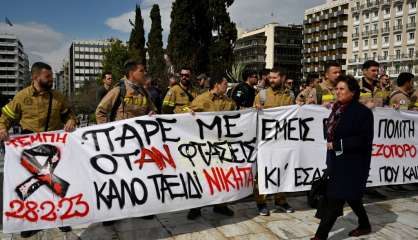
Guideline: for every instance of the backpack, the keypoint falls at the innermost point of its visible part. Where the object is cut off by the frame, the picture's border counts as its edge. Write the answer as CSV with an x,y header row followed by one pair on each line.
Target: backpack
x,y
119,100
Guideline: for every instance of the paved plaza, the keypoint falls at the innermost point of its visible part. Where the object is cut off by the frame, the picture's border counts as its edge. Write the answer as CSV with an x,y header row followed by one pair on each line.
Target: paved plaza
x,y
393,218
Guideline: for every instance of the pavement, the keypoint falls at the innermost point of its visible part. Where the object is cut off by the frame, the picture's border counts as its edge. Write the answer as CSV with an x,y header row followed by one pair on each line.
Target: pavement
x,y
395,217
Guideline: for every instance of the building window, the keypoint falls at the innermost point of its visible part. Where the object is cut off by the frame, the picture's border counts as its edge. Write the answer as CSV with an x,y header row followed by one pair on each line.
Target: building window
x,y
398,54
355,57
385,55
366,56
386,39
411,52
375,26
413,5
387,25
411,36
399,21
366,28
387,11
374,56
398,38
374,41
376,14
356,44
366,15
366,43
412,19
399,8
357,17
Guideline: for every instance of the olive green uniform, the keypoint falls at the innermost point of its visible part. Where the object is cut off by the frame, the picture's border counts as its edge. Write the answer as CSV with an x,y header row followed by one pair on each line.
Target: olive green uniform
x,y
29,108
177,99
269,99
135,103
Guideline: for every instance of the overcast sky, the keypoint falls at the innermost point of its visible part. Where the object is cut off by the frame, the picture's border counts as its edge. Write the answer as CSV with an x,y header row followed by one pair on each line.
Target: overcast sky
x,y
46,30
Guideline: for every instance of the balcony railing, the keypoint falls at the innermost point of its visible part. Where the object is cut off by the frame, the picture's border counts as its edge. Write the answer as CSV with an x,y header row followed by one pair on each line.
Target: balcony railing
x,y
397,28
365,33
373,32
385,30
385,2
355,35
412,25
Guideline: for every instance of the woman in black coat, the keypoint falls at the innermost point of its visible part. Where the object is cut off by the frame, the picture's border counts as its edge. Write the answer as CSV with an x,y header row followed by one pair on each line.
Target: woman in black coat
x,y
349,145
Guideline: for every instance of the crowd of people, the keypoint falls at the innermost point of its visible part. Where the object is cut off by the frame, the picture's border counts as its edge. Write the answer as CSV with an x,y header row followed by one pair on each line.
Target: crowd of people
x,y
38,108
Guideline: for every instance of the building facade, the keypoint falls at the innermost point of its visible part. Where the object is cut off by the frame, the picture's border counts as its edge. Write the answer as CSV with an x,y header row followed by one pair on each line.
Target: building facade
x,y
325,35
85,63
14,66
384,31
271,46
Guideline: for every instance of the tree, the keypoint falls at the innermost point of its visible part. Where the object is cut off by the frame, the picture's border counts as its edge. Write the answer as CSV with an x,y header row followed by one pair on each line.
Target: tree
x,y
156,64
114,59
137,39
224,37
190,35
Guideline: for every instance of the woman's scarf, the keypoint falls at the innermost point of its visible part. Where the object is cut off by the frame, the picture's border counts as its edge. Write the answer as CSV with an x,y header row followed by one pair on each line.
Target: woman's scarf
x,y
334,118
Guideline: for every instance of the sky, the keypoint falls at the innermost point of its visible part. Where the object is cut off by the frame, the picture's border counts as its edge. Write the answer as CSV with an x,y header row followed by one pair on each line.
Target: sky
x,y
46,28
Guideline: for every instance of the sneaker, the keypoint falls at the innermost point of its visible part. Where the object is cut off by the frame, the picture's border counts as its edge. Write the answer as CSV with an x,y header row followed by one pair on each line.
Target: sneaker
x,y
108,223
224,210
263,210
285,208
65,229
28,234
149,217
194,213
359,232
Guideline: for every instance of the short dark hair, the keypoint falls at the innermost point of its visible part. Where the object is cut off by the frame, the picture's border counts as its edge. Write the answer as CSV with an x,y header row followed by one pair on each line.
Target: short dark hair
x,y
247,73
352,84
131,65
214,79
38,66
311,77
370,63
106,73
403,78
280,71
383,75
186,68
328,65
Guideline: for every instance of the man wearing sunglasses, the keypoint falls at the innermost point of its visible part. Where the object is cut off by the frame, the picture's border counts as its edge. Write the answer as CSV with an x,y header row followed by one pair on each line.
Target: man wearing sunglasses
x,y
179,97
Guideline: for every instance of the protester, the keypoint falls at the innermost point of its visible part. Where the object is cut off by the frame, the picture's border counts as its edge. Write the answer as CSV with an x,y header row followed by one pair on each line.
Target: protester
x,y
154,93
289,84
275,96
383,90
38,108
202,83
214,100
349,135
308,94
325,91
244,93
402,97
263,82
179,97
105,87
368,83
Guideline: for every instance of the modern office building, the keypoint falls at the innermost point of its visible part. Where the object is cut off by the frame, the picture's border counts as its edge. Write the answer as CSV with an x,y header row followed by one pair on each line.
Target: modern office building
x,y
14,65
325,35
271,46
85,62
384,31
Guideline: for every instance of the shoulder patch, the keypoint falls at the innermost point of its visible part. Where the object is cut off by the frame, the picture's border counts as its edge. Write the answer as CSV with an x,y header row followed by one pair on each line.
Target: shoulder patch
x,y
27,101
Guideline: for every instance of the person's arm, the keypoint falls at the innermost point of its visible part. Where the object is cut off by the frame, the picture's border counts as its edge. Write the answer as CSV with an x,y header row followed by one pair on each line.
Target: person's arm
x,y
105,106
169,102
362,142
11,113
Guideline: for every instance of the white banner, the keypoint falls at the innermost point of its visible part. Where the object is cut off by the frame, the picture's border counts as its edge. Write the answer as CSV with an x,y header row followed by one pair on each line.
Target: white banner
x,y
131,168
292,148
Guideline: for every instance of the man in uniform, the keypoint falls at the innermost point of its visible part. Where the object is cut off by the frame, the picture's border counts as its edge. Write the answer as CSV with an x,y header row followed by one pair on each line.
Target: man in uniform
x,y
368,83
244,93
325,92
308,95
383,90
38,108
401,98
275,96
179,97
202,83
214,100
128,99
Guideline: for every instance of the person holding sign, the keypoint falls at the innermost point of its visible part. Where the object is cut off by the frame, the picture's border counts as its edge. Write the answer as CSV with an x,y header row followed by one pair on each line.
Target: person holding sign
x,y
349,132
38,108
214,100
275,96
